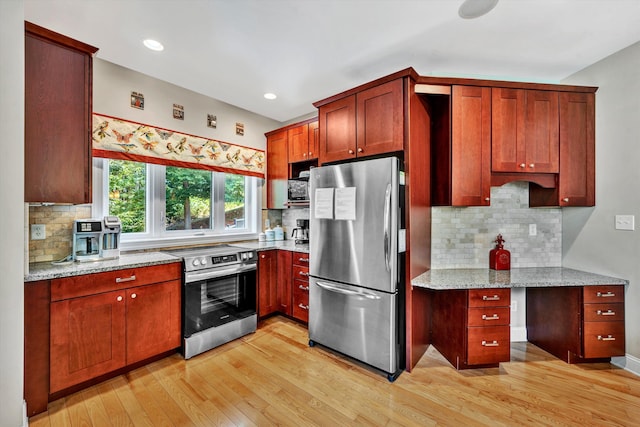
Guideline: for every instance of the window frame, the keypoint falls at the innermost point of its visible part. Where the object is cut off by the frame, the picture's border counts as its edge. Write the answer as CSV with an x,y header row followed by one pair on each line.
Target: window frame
x,y
155,235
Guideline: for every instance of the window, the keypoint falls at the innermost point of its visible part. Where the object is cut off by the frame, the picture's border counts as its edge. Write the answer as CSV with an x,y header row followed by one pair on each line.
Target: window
x,y
158,203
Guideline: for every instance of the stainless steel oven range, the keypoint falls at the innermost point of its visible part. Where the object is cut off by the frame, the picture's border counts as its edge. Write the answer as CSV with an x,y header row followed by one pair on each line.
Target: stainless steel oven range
x,y
218,296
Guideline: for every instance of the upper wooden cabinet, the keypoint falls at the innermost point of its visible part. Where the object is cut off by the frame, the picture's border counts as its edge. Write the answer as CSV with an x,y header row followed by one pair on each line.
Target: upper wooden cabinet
x,y
524,131
58,107
367,123
277,169
303,142
576,179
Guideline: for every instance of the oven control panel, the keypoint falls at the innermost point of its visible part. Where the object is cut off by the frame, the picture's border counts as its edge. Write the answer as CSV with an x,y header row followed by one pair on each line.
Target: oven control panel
x,y
224,259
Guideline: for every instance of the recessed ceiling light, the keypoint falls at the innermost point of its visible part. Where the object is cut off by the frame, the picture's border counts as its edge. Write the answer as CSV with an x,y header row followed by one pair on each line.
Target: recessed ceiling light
x,y
476,8
153,45
270,95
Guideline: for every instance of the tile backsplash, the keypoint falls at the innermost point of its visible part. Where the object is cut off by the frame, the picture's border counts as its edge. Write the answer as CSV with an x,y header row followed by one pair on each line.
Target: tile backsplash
x,y
463,237
58,220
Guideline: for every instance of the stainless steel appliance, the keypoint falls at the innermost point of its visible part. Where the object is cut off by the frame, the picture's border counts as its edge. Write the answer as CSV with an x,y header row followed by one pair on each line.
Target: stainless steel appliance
x,y
356,290
219,296
87,240
300,234
111,228
298,190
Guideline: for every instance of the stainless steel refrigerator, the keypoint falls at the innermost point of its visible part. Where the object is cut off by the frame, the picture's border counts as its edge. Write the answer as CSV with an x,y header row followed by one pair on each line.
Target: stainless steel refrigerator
x,y
356,296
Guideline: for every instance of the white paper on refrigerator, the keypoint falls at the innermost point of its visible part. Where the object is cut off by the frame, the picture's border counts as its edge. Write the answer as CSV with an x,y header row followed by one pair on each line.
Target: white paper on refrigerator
x,y
345,200
323,203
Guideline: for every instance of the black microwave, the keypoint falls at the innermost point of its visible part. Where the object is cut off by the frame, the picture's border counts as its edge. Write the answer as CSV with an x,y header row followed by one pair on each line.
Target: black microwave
x,y
298,190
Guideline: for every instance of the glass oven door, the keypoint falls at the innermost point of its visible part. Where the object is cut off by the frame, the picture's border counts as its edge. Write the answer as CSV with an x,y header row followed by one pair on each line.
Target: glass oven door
x,y
215,301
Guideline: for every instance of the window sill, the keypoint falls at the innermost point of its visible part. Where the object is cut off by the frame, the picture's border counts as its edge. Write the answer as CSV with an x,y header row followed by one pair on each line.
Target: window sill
x,y
138,244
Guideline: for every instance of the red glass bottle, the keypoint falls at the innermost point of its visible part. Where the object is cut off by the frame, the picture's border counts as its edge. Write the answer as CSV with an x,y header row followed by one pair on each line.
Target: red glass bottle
x,y
499,258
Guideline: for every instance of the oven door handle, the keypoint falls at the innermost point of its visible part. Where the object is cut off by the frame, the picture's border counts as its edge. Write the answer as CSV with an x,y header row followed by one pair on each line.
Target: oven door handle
x,y
224,272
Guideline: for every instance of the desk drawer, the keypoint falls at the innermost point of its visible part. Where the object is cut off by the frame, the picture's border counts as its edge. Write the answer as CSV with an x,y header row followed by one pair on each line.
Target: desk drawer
x,y
613,312
489,297
488,345
603,339
300,272
488,316
603,294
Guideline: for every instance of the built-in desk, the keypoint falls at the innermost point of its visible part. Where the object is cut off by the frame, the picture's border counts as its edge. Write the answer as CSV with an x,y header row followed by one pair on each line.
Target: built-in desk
x,y
574,315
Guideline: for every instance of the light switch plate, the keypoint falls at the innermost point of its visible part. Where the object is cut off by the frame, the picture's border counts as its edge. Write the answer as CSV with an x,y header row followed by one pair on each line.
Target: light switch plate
x,y
625,222
38,232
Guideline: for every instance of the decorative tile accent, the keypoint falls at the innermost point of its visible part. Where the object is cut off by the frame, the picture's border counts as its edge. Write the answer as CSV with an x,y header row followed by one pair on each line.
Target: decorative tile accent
x,y
58,220
289,217
463,237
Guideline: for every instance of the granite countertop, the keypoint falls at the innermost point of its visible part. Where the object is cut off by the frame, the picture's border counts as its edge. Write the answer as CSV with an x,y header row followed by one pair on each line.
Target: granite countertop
x,y
287,245
47,270
478,278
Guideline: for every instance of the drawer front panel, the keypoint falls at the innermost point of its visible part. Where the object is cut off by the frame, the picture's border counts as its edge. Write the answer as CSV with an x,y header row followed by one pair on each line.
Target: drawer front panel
x,y
613,312
488,345
300,273
489,297
300,258
91,284
603,339
603,294
488,316
301,300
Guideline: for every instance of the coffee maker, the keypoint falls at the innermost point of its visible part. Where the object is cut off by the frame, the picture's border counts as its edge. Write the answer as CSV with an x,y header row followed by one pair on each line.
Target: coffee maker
x,y
87,239
301,232
111,237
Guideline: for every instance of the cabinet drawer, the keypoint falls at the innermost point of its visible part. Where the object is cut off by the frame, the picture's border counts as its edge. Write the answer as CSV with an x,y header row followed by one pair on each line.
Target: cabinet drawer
x,y
489,297
488,316
300,258
602,294
91,284
300,273
488,345
603,339
613,312
301,300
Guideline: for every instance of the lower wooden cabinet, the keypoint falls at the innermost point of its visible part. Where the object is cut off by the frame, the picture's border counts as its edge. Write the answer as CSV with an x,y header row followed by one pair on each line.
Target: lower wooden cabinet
x,y
470,328
267,283
588,321
300,275
283,287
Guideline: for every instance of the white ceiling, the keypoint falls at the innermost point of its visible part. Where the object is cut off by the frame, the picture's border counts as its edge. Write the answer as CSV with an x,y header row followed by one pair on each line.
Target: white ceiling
x,y
307,50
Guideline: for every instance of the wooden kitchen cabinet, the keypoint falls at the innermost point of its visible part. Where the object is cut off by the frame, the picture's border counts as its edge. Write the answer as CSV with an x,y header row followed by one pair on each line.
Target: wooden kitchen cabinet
x,y
284,281
102,322
267,283
524,131
576,180
303,142
277,169
587,326
368,123
470,327
300,279
58,108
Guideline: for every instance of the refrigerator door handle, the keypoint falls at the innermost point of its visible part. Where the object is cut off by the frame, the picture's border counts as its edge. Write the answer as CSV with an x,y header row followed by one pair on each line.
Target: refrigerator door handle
x,y
336,289
387,226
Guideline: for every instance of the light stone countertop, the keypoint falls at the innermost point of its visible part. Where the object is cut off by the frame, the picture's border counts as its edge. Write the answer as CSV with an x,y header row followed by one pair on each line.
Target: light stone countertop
x,y
47,271
479,278
287,245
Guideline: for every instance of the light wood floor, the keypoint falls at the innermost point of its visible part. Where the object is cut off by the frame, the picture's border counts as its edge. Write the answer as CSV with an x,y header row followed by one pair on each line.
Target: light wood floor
x,y
272,377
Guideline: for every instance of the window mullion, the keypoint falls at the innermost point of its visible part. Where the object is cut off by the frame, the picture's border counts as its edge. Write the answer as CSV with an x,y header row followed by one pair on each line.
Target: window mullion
x,y
156,200
217,201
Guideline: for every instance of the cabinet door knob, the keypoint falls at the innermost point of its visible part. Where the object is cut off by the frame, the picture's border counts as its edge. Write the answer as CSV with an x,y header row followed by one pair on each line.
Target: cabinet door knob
x,y
486,199
133,296
566,200
522,165
531,165
350,151
310,153
360,150
119,298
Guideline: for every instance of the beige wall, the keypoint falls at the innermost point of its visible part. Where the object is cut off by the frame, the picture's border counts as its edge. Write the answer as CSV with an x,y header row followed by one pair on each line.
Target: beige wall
x,y
590,241
12,211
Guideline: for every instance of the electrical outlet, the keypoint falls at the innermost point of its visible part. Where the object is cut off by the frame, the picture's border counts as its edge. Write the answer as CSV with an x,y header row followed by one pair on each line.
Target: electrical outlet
x,y
38,232
514,305
625,222
533,230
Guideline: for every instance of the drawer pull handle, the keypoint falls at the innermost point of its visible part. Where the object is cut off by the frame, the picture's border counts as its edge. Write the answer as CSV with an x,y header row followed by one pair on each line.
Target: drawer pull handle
x,y
303,259
304,307
488,298
606,313
302,273
304,288
126,279
494,317
607,338
606,294
119,298
493,343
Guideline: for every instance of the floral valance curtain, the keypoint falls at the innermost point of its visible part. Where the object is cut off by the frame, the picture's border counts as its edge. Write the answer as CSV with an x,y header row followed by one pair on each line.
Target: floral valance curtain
x,y
115,138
